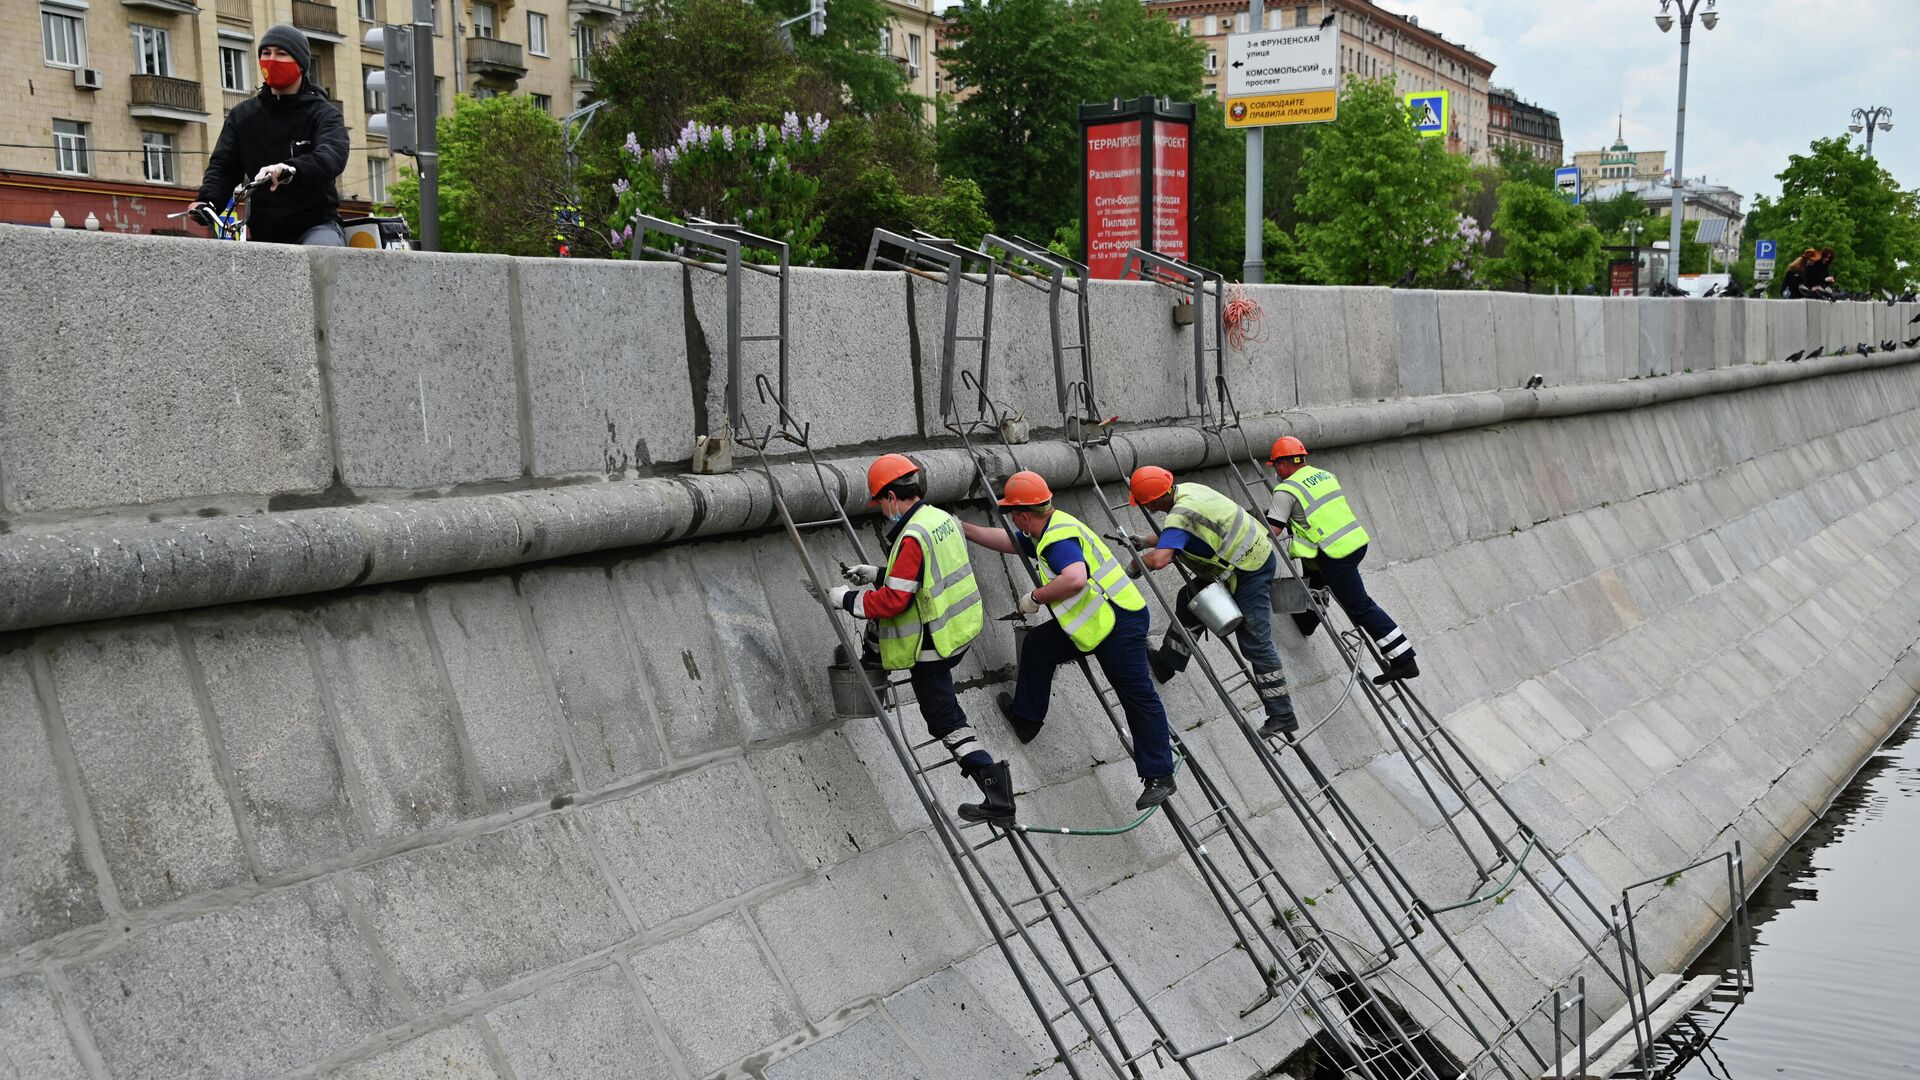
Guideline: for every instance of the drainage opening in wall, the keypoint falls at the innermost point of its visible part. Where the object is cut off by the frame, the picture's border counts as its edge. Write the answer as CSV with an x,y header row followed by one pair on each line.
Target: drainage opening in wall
x,y
1323,1059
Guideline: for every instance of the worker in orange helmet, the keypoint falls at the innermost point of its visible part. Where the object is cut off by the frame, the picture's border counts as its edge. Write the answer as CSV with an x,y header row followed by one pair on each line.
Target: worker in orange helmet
x,y
1096,611
925,608
1218,541
1329,542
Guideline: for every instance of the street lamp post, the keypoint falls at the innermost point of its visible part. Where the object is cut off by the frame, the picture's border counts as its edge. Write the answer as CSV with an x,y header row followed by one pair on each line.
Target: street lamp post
x,y
1665,22
1880,116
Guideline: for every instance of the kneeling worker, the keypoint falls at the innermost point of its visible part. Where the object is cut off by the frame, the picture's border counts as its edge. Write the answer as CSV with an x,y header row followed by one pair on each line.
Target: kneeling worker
x,y
1095,610
1212,536
926,608
1329,542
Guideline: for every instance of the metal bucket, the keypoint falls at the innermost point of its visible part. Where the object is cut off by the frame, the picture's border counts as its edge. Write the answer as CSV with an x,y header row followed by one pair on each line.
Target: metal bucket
x,y
849,700
1290,595
1215,607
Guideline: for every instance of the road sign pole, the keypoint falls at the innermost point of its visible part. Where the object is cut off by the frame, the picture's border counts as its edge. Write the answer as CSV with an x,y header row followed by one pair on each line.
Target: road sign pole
x,y
1254,270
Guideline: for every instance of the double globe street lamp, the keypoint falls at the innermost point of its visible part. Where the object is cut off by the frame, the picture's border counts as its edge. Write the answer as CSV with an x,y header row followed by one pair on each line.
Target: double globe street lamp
x,y
1665,20
1866,120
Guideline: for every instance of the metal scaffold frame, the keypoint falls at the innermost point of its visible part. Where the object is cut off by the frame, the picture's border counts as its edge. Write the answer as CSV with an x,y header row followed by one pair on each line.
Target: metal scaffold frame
x,y
1289,973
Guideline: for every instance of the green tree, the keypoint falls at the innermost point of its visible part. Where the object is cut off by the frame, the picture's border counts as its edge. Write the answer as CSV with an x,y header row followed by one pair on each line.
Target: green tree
x,y
1610,215
1379,204
1516,162
1028,64
502,173
1835,196
1547,241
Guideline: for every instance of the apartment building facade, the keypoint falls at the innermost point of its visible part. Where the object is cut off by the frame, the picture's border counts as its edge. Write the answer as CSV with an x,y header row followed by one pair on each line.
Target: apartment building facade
x,y
1514,121
1375,43
119,102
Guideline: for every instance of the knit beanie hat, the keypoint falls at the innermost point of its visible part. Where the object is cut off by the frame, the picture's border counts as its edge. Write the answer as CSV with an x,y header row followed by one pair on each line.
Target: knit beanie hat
x,y
292,40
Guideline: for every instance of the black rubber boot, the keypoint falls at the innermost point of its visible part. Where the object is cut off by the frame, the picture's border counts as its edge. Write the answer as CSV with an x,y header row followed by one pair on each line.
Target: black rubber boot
x,y
1024,730
1400,667
996,784
1162,671
1157,789
1307,621
1280,725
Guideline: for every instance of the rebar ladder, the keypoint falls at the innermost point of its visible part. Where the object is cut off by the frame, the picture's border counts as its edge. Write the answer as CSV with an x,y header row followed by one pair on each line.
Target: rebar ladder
x,y
1357,1021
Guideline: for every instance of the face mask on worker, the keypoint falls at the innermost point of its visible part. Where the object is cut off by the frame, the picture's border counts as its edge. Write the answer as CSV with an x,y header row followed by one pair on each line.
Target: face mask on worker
x,y
279,74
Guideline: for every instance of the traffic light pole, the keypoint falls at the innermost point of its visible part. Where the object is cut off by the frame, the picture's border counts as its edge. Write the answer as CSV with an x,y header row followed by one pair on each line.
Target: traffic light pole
x,y
427,136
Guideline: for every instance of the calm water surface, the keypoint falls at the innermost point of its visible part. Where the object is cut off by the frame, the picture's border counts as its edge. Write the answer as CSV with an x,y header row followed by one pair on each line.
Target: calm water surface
x,y
1836,951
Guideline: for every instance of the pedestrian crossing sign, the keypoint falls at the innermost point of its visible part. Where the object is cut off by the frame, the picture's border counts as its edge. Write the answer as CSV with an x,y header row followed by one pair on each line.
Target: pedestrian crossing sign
x,y
1428,111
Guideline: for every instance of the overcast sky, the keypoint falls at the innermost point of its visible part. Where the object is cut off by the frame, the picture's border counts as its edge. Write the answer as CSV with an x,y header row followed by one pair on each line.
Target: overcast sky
x,y
1770,78
1773,75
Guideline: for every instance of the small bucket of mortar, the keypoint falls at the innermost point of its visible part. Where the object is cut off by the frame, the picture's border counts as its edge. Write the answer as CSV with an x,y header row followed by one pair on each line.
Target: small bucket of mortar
x,y
1290,595
1216,609
850,701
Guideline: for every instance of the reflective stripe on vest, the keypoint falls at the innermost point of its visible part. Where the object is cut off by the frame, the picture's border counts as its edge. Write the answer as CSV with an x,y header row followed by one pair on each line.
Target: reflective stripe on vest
x,y
1238,541
1087,616
1330,529
946,608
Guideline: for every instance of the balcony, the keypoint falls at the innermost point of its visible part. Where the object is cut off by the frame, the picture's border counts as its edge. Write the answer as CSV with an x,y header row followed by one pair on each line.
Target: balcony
x,y
170,7
234,10
609,9
163,98
493,58
317,19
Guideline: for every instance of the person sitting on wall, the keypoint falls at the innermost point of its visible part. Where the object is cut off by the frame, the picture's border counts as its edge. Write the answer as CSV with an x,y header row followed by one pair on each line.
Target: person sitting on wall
x,y
1096,611
288,137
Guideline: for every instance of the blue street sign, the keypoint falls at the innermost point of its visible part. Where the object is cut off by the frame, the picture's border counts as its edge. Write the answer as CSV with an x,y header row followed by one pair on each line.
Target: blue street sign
x,y
1764,249
1567,180
1428,110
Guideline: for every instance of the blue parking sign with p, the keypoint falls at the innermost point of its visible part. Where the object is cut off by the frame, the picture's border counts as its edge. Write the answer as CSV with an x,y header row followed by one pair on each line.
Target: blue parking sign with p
x,y
1764,249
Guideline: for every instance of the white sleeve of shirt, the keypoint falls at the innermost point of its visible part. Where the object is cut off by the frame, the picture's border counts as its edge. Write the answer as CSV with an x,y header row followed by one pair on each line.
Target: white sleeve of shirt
x,y
1282,507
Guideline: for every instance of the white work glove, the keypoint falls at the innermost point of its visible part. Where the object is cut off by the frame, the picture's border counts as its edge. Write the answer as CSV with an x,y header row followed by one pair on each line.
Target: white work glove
x,y
274,175
860,575
1027,605
1135,567
837,596
1143,541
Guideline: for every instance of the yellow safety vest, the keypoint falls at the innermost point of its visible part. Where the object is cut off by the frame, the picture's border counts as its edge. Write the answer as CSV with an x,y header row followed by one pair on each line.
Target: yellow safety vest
x,y
1330,529
1087,616
946,600
1238,541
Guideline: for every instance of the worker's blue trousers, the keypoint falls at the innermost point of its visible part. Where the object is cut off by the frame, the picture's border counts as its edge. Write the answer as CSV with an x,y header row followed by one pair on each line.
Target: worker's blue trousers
x,y
1123,659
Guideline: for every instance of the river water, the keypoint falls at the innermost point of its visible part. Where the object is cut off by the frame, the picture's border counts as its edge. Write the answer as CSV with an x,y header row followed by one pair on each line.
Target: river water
x,y
1836,950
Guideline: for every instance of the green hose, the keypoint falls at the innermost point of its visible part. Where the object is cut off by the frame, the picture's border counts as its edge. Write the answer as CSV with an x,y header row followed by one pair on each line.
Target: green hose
x,y
1062,830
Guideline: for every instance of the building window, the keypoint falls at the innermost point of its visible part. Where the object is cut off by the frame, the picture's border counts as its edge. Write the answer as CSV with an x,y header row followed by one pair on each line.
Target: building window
x,y
1186,26
886,41
543,102
63,37
1240,22
70,148
152,50
373,101
233,69
483,20
536,33
439,95
377,179
913,54
369,10
1213,25
1213,61
159,162
482,93
1300,15
583,43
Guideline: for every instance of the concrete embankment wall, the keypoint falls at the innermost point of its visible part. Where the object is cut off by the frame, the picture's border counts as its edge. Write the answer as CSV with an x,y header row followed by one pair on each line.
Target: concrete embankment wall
x,y
313,834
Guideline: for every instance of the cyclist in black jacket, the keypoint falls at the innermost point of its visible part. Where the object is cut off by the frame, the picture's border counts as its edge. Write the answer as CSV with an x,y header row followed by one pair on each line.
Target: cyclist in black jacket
x,y
290,138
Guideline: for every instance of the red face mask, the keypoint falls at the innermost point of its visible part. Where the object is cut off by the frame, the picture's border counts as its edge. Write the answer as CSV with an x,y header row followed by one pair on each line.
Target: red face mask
x,y
279,74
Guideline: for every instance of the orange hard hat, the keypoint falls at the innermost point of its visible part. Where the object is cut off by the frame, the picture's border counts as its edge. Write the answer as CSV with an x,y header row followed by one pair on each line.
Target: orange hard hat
x,y
1026,489
885,470
1287,446
1148,483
